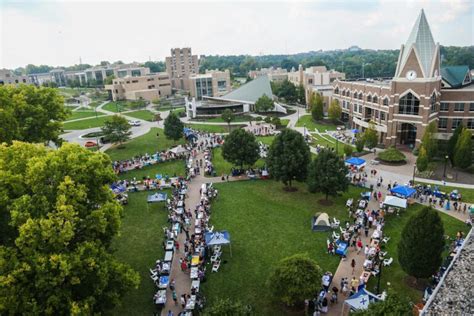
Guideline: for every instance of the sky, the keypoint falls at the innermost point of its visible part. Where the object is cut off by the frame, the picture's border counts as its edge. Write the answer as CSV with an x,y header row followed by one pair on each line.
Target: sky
x,y
60,33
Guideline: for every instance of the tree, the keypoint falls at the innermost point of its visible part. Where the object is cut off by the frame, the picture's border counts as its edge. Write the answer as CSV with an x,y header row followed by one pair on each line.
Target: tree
x,y
109,79
422,243
301,94
327,174
348,149
429,142
226,307
276,121
58,220
422,160
360,143
463,150
227,116
370,136
241,148
295,279
285,90
173,127
453,141
317,108
334,111
394,304
264,104
288,157
116,129
31,114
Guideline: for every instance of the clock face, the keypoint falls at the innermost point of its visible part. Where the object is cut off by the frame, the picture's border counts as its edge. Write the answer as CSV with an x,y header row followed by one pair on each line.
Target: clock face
x,y
411,75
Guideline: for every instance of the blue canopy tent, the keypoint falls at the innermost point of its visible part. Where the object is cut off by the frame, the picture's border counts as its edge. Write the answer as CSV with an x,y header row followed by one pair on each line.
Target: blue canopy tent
x,y
117,188
217,239
361,300
355,131
403,191
157,197
358,162
341,247
189,133
366,195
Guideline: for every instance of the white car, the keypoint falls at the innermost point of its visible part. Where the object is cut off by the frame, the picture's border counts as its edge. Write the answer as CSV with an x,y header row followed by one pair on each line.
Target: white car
x,y
135,123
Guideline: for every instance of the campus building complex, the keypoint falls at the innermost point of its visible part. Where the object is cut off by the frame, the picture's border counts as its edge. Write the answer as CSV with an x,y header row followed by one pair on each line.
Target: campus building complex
x,y
213,83
180,65
148,87
273,74
8,77
421,92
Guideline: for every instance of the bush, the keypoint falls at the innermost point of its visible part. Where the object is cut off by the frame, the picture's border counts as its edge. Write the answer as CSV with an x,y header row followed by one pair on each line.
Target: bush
x,y
422,160
258,119
276,121
360,142
268,119
392,155
348,149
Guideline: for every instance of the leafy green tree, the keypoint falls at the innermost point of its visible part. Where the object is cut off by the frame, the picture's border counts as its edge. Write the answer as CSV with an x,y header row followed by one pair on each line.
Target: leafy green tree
x,y
463,151
394,304
348,149
241,148
422,243
294,279
422,159
288,157
453,141
301,94
267,119
173,127
155,66
276,121
429,142
360,143
286,90
317,108
264,104
327,174
370,136
335,111
109,79
227,116
226,307
116,129
58,220
31,114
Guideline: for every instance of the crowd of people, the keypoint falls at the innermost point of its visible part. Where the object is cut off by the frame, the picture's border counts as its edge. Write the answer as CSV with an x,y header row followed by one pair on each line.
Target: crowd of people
x,y
138,162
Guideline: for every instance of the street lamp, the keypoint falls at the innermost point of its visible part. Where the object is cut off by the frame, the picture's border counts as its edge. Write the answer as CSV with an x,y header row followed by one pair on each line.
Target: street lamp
x,y
445,164
414,170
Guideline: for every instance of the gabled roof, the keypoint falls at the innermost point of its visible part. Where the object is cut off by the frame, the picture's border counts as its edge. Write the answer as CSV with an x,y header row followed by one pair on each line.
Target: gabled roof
x,y
422,39
454,75
251,91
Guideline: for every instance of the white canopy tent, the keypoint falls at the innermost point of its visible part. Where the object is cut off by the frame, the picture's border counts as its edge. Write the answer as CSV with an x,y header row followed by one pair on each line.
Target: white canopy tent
x,y
178,150
394,201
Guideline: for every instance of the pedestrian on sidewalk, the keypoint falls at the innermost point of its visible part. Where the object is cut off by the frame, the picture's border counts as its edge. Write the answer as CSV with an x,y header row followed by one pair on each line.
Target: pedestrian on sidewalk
x,y
353,264
170,313
175,298
176,245
183,301
172,284
366,231
359,245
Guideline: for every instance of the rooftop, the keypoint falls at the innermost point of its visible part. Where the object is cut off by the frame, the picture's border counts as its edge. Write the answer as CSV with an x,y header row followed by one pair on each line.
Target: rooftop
x,y
251,91
455,76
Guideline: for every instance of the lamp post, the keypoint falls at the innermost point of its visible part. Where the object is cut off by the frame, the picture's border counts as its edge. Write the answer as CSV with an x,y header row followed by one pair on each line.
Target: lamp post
x,y
445,164
414,170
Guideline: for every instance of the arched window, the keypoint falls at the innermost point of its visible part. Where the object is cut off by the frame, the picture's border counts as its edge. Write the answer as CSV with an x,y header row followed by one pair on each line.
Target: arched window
x,y
336,91
369,98
355,95
385,101
433,103
360,96
375,99
409,104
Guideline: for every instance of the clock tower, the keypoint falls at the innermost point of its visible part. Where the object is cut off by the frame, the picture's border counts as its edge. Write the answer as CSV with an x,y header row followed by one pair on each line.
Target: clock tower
x,y
415,87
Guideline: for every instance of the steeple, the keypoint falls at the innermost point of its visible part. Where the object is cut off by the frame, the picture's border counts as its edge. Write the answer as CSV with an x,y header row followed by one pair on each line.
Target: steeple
x,y
422,41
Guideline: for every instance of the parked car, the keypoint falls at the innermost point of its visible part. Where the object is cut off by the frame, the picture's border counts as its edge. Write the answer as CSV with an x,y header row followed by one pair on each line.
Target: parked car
x,y
90,143
135,123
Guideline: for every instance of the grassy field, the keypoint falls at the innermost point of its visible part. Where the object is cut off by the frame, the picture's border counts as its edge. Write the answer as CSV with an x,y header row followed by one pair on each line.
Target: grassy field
x,y
83,114
120,106
142,114
237,118
266,224
284,122
84,124
266,139
324,141
221,166
213,128
467,194
394,274
148,143
169,168
140,245
311,124
73,91
167,108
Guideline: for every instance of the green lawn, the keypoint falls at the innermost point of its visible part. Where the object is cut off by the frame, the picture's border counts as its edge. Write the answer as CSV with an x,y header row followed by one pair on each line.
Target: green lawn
x,y
148,143
140,245
142,114
167,108
84,124
83,114
266,139
284,122
327,142
169,168
237,118
213,128
120,106
311,124
393,228
72,91
467,194
266,224
221,166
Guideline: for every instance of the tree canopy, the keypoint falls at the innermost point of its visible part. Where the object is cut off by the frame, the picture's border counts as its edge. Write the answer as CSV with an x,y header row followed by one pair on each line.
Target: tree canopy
x,y
288,157
58,219
370,136
453,141
317,107
394,304
429,142
295,279
422,243
116,129
226,307
264,104
285,90
228,116
327,174
31,114
173,127
463,150
335,111
241,148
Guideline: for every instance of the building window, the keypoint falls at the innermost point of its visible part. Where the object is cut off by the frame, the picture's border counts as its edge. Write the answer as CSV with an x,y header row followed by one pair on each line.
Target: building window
x,y
369,98
24,80
444,106
458,107
443,123
433,103
471,107
470,124
221,85
385,101
409,104
336,91
375,99
360,96
355,95
456,123
382,116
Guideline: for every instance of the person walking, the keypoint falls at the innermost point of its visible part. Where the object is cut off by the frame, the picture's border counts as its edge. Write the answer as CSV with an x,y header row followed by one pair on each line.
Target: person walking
x,y
353,264
359,245
175,298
